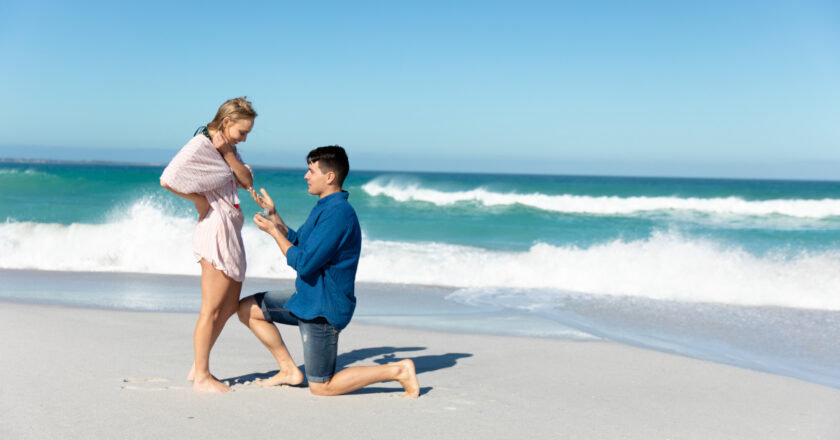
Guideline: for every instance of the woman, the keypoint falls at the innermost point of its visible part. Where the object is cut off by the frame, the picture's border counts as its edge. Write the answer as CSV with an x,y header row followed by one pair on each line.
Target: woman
x,y
208,171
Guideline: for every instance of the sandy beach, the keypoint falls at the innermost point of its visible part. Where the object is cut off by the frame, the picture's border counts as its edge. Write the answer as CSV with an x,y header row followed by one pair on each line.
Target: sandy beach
x,y
579,220
85,373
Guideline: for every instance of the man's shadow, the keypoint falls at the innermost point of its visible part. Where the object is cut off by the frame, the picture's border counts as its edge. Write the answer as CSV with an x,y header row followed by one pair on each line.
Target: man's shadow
x,y
422,364
425,364
387,354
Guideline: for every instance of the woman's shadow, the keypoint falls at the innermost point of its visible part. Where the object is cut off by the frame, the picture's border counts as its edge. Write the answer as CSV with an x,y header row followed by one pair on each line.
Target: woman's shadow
x,y
387,354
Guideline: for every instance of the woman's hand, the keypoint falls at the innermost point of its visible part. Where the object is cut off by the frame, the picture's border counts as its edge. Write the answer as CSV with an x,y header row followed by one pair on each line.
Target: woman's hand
x,y
264,201
220,141
201,203
202,206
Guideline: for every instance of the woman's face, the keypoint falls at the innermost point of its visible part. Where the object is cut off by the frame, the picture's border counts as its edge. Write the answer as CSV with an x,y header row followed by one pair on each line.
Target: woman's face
x,y
237,131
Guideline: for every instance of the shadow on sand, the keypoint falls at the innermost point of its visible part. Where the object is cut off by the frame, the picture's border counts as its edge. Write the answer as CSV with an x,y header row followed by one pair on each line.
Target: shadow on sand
x,y
422,364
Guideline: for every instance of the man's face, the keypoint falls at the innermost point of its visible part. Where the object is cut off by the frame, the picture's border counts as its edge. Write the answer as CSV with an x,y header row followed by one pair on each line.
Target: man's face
x,y
316,179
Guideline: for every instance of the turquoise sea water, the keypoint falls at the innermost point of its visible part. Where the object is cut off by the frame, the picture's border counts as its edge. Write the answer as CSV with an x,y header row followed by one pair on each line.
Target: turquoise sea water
x,y
744,272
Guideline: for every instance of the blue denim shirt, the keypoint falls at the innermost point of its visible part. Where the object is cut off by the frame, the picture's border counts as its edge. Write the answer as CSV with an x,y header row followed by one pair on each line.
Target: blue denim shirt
x,y
325,256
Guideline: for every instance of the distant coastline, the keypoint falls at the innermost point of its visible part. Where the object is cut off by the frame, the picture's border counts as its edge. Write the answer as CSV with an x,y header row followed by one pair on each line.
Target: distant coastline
x,y
12,160
79,162
115,163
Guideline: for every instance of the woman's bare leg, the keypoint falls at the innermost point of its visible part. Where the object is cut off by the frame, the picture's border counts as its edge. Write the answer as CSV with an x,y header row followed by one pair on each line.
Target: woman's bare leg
x,y
217,330
219,300
231,305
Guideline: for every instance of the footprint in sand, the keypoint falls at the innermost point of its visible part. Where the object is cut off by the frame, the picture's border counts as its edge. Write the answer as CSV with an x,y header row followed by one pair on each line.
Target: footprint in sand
x,y
147,380
134,388
144,379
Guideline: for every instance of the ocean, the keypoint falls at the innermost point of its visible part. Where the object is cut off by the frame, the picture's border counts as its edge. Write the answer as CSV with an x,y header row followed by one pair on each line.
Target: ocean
x,y
741,272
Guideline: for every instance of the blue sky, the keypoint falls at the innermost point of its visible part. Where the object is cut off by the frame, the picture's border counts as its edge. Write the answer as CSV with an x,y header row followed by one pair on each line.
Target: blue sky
x,y
734,89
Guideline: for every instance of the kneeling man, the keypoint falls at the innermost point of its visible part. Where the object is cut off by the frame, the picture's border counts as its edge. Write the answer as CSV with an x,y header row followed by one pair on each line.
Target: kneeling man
x,y
325,254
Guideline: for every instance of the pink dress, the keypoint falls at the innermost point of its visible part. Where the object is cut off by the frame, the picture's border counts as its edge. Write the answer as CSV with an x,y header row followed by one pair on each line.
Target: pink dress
x,y
199,168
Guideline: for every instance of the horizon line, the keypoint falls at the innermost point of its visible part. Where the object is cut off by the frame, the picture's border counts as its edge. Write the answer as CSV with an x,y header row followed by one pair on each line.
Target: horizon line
x,y
277,167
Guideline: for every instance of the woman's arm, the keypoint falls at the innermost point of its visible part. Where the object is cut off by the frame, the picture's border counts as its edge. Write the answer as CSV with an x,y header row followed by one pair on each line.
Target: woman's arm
x,y
201,203
242,173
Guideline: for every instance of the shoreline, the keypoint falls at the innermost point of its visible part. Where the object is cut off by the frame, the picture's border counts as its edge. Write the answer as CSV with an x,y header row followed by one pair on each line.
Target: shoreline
x,y
107,374
414,306
255,283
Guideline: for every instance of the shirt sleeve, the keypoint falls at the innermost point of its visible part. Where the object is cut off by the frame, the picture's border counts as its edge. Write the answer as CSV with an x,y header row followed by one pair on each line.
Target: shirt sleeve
x,y
321,246
197,168
292,236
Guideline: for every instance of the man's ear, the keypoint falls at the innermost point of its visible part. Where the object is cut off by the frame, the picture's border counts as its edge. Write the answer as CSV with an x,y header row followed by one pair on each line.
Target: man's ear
x,y
330,177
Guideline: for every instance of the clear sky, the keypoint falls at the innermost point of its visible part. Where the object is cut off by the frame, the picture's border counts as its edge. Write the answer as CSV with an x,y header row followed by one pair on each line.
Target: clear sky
x,y
728,88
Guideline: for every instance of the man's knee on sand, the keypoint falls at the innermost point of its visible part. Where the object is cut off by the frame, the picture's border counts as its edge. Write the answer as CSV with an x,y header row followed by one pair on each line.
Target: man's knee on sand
x,y
321,389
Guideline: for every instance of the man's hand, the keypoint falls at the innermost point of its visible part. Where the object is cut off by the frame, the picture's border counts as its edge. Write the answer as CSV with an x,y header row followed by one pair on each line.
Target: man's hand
x,y
266,225
264,201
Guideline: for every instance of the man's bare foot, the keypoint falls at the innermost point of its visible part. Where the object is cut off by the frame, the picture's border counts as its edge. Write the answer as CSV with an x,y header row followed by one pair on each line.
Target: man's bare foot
x,y
407,377
210,384
294,377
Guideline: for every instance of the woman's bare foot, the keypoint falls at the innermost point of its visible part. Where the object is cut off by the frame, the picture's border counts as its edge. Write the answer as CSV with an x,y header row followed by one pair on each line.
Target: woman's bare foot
x,y
210,384
407,377
191,374
294,377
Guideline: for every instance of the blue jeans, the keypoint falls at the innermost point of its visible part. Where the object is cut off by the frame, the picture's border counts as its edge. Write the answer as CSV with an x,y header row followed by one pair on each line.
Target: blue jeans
x,y
320,339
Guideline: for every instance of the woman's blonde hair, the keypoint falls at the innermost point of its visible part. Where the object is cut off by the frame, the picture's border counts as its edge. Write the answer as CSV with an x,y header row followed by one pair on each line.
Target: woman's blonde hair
x,y
236,109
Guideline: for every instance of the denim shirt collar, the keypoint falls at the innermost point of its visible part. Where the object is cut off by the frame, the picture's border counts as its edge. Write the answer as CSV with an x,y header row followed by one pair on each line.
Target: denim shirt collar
x,y
339,195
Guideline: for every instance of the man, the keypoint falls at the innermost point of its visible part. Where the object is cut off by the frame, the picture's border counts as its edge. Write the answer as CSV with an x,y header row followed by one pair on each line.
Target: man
x,y
325,254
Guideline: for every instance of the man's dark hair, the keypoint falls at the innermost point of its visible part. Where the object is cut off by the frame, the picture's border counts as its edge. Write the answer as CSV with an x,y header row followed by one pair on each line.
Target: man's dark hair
x,y
331,158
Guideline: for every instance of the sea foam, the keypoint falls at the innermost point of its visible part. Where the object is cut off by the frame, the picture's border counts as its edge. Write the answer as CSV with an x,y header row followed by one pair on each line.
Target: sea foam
x,y
668,266
406,191
28,172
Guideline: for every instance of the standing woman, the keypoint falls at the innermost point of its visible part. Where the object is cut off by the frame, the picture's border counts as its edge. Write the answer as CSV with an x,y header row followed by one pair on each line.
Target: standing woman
x,y
208,171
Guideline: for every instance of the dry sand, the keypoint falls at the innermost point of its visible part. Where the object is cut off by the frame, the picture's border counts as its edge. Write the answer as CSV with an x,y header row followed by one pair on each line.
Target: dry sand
x,y
76,373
